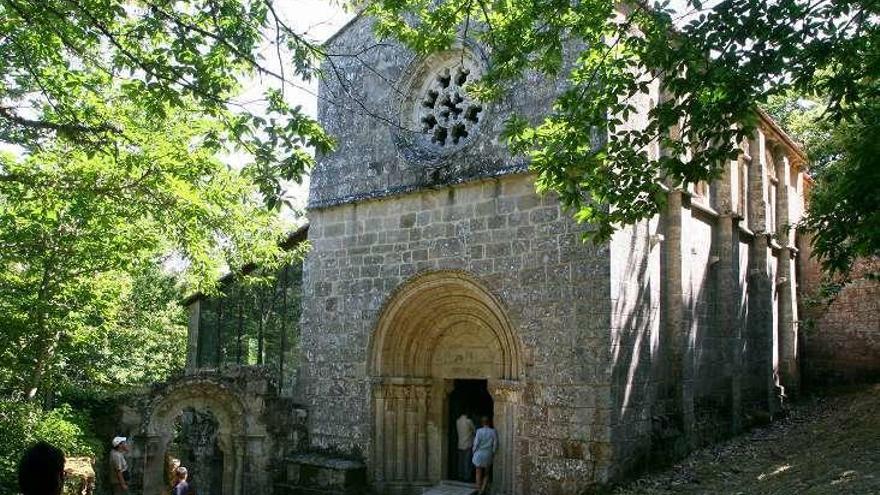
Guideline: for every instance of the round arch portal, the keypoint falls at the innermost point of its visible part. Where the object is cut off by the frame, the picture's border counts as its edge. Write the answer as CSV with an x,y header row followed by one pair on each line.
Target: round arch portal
x,y
434,329
233,431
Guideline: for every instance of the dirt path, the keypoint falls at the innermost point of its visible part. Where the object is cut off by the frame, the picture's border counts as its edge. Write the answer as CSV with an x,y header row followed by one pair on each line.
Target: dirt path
x,y
827,445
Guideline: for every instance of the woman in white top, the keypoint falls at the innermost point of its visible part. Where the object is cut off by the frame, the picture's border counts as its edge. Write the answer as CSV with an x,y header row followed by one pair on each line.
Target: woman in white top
x,y
485,445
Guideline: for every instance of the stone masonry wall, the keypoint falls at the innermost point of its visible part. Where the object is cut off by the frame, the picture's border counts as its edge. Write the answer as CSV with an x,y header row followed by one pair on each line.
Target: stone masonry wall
x,y
842,336
554,287
703,328
361,105
635,363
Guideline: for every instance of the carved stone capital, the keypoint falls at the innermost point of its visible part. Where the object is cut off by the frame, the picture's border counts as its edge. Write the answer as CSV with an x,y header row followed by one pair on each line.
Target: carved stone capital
x,y
505,390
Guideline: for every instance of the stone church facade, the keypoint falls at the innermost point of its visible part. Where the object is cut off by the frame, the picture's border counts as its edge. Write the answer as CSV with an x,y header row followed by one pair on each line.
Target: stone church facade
x,y
438,282
435,265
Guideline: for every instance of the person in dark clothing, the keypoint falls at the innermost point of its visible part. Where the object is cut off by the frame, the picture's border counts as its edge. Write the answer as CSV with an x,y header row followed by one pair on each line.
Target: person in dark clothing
x,y
41,470
181,487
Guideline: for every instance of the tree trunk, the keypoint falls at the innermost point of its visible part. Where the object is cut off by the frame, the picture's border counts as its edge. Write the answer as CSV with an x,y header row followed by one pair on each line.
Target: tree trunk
x,y
46,342
46,354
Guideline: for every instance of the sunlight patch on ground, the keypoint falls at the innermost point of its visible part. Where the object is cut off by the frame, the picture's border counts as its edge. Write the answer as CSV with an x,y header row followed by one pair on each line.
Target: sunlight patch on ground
x,y
781,469
845,477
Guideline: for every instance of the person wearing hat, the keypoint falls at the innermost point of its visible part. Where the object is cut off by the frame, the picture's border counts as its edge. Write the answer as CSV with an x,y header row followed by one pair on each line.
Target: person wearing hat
x,y
118,466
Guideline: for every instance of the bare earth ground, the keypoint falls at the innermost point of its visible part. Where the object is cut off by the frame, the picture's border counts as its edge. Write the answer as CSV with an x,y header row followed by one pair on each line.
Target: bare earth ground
x,y
827,445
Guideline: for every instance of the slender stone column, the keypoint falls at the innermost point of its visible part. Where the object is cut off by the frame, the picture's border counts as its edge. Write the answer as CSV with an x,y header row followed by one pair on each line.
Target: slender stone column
x,y
507,395
398,404
233,482
675,333
192,340
439,391
379,452
154,464
422,396
760,287
400,437
785,279
728,299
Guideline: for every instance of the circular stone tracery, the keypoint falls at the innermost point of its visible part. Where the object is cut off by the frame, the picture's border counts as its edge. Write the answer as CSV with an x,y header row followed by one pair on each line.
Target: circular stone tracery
x,y
449,114
438,108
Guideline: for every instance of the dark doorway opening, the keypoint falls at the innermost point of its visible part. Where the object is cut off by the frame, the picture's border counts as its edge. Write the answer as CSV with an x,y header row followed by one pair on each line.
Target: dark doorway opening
x,y
469,397
195,447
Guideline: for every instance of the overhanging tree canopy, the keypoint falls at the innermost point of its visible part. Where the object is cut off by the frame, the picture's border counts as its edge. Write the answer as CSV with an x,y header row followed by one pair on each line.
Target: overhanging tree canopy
x,y
116,112
716,62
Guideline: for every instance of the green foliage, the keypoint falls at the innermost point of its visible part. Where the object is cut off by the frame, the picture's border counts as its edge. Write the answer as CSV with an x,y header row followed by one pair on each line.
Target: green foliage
x,y
22,424
74,62
844,207
144,341
117,112
77,227
844,210
701,70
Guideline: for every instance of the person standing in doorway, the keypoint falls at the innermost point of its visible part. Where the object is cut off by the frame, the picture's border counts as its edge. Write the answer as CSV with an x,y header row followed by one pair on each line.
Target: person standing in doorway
x,y
465,429
181,486
485,445
119,466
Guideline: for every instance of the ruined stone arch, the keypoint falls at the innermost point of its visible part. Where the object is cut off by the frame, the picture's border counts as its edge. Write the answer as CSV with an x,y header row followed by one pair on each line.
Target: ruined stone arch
x,y
437,327
237,432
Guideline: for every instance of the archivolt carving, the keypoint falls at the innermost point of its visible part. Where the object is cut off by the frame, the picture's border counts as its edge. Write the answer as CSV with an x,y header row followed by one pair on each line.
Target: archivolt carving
x,y
224,404
429,314
438,327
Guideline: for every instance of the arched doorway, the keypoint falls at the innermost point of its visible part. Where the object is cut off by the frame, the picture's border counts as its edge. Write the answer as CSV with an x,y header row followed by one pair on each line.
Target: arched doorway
x,y
226,437
434,330
472,399
195,446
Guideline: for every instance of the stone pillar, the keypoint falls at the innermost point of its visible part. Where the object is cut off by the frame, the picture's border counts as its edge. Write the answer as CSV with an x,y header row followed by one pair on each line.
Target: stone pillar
x,y
398,400
154,464
235,476
421,395
507,395
728,298
759,347
436,426
192,336
379,425
785,279
400,439
674,332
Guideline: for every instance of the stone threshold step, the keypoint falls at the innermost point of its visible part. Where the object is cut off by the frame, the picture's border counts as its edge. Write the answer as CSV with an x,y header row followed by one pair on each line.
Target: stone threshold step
x,y
448,487
288,489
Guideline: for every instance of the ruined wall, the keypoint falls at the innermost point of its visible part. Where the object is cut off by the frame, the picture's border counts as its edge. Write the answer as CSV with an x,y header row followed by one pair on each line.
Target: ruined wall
x,y
554,287
256,427
841,335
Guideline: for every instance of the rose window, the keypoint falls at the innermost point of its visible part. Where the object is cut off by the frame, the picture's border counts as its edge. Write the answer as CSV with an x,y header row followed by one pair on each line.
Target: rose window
x,y
437,113
448,113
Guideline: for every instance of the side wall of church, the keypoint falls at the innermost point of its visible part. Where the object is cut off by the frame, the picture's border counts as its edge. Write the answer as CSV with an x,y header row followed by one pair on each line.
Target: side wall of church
x,y
704,317
554,287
